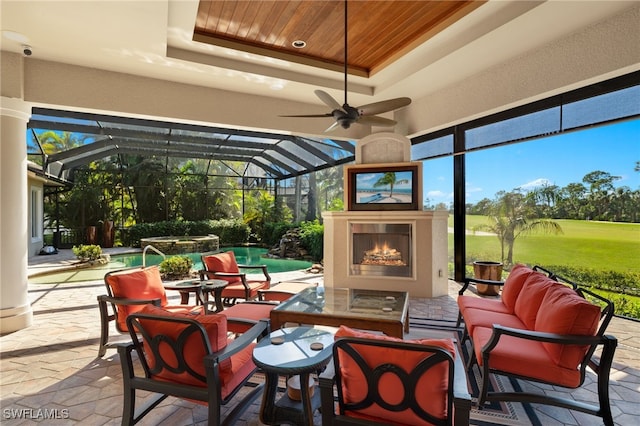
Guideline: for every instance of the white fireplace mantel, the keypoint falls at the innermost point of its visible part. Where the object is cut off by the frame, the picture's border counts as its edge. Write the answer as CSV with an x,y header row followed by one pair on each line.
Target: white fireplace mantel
x,y
429,251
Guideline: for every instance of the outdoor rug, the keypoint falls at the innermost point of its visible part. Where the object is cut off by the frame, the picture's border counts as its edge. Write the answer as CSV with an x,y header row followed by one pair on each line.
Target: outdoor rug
x,y
496,413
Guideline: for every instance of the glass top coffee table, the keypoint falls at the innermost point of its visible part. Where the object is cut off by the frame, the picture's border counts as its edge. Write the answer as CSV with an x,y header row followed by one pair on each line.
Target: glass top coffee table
x,y
385,311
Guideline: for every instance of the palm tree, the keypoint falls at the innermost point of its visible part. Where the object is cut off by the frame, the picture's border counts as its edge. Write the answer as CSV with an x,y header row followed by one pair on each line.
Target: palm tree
x,y
512,216
389,178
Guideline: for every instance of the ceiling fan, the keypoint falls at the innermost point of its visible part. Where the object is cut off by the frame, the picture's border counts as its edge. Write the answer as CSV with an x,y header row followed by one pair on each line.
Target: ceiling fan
x,y
345,115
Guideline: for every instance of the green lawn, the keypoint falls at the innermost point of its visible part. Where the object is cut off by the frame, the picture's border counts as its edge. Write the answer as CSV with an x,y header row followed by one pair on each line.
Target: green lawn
x,y
597,245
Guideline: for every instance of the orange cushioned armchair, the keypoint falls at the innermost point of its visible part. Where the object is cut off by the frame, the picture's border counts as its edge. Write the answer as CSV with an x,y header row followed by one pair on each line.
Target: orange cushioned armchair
x,y
190,357
383,380
223,266
128,291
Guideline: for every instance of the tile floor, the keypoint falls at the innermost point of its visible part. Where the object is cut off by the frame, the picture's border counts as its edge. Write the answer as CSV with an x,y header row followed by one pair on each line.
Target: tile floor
x,y
52,369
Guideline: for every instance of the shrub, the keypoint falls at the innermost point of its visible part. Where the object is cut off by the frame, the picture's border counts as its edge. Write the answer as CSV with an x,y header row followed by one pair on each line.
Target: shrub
x,y
230,231
87,252
312,236
176,267
627,282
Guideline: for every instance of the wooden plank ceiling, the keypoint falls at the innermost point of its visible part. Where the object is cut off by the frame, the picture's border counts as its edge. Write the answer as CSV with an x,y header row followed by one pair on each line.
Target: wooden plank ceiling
x,y
379,32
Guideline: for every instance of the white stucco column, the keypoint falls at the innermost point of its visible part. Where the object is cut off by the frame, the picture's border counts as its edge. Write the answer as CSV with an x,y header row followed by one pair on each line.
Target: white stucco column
x,y
15,309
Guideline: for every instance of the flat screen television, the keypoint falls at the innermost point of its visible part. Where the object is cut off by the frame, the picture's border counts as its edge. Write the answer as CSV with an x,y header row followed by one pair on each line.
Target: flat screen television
x,y
383,188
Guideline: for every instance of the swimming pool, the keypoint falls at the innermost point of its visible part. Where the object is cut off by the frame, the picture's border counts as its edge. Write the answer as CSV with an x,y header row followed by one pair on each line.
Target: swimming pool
x,y
244,256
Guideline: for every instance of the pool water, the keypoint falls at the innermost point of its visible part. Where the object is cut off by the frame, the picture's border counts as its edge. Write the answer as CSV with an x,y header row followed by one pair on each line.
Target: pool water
x,y
244,256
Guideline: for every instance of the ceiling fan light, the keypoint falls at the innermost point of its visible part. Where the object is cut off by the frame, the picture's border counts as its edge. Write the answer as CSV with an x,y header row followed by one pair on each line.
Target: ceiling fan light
x,y
299,44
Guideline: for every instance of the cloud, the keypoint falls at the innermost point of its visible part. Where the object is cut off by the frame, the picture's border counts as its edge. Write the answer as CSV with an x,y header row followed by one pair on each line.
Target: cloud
x,y
537,183
437,194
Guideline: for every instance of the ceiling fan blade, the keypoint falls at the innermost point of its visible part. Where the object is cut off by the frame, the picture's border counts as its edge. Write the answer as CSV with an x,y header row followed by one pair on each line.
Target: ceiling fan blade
x,y
327,99
383,106
376,121
308,116
332,127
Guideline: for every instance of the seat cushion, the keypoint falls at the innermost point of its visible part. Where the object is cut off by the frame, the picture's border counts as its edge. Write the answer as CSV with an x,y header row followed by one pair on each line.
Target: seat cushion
x,y
237,289
523,357
482,318
563,311
143,283
492,305
222,262
433,385
248,311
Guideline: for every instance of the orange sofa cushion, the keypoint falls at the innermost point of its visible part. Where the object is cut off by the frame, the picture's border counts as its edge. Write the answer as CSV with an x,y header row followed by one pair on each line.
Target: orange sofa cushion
x,y
136,284
232,370
481,318
513,285
250,311
237,289
433,385
472,302
223,262
523,357
530,298
563,311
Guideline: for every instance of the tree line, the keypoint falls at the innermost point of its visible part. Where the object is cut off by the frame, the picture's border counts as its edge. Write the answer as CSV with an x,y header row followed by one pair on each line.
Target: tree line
x,y
595,198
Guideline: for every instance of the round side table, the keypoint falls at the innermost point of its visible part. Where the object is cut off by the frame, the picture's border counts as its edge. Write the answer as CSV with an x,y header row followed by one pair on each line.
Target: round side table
x,y
185,287
288,352
215,287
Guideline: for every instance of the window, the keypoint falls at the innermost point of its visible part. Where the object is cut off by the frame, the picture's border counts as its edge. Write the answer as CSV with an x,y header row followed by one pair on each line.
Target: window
x,y
574,156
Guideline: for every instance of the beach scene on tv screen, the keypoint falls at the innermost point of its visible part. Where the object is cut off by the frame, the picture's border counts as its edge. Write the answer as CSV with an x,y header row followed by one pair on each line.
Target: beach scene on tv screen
x,y
384,187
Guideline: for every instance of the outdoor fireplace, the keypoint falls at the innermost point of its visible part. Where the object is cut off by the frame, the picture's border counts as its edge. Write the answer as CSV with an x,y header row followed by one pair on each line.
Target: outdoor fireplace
x,y
381,249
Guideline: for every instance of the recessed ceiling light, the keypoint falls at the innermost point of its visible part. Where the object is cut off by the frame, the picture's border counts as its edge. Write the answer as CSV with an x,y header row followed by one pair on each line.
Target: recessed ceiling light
x,y
299,44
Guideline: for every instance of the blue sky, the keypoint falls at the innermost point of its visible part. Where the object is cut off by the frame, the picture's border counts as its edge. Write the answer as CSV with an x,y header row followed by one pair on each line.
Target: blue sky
x,y
367,180
557,160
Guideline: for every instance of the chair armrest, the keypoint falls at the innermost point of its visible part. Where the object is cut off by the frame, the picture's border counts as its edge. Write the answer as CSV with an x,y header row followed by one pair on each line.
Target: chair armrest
x,y
262,267
469,281
103,298
461,395
538,336
259,329
460,387
326,380
328,376
126,362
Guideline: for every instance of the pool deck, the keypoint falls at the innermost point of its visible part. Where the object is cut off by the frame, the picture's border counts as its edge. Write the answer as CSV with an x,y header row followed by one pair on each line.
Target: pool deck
x,y
65,260
53,363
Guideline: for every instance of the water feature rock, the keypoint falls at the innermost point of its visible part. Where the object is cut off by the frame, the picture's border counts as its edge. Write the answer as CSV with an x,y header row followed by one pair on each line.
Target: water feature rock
x,y
289,246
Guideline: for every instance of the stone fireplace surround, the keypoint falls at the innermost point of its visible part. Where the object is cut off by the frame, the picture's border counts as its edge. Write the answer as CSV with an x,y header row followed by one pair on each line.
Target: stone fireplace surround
x,y
427,275
429,251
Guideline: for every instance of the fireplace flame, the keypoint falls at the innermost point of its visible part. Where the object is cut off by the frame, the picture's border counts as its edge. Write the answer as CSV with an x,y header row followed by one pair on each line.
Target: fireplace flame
x,y
384,250
382,254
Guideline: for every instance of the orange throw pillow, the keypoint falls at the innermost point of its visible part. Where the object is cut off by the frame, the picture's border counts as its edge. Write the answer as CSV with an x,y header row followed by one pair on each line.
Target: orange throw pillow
x,y
530,298
431,389
563,311
513,285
